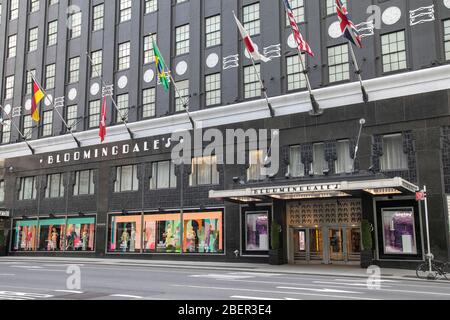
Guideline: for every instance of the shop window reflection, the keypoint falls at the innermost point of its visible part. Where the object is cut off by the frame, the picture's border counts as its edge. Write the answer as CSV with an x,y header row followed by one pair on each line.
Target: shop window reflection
x,y
124,234
162,233
203,232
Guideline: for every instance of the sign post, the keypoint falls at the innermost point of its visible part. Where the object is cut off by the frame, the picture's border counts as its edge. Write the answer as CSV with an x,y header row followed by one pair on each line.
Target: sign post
x,y
422,196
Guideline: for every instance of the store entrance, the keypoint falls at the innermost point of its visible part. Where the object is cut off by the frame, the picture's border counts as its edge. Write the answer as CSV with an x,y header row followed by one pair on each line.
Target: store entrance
x,y
3,235
326,245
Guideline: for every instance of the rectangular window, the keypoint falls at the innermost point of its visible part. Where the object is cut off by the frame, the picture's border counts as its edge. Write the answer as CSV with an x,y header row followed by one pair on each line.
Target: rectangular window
x,y
252,87
399,231
124,56
125,10
50,73
14,10
124,233
33,39
27,189
75,20
6,131
394,157
72,117
203,232
151,6
52,33
94,114
47,124
331,6
251,19
34,5
182,39
122,106
148,103
204,171
213,36
256,231
344,162
213,89
80,234
98,17
97,64
51,234
255,170
126,179
12,46
163,175
2,191
393,50
55,186
9,87
447,39
183,96
338,63
27,127
74,70
294,69
296,166
298,8
24,235
162,233
319,163
149,54
84,183
29,85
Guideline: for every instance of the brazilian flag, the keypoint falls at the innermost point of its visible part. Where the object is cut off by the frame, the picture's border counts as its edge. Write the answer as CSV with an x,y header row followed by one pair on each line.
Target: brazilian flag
x,y
161,67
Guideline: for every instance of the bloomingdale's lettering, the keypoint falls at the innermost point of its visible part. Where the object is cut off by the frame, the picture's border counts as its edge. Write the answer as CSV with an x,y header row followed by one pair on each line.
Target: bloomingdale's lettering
x,y
108,151
294,189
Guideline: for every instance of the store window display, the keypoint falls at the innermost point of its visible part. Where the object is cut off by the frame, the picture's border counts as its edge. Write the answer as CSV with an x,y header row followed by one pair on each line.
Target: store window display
x,y
24,235
51,234
257,236
124,234
80,234
399,233
203,232
162,233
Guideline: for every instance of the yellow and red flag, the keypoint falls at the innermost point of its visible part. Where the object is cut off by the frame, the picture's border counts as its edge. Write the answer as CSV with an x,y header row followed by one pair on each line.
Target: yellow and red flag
x,y
38,95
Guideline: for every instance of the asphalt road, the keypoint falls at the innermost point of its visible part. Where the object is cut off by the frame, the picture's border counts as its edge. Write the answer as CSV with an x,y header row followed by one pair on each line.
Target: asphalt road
x,y
28,280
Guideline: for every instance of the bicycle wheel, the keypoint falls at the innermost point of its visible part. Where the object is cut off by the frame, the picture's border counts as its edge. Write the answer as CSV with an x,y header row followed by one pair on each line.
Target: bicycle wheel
x,y
423,272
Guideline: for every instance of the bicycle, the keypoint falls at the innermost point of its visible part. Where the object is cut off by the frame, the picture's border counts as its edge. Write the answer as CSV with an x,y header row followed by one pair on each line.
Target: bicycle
x,y
438,269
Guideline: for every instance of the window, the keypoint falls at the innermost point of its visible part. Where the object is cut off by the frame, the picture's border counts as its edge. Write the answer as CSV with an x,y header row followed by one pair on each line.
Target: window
x,y
27,189
52,33
296,166
163,175
298,8
212,89
98,17
294,69
124,56
51,234
162,233
14,10
255,171
97,64
126,179
124,233
2,190
125,10
50,73
12,46
394,157
183,96
72,117
122,106
204,171
29,85
34,5
6,131
203,232
94,114
213,37
399,231
338,64
331,6
33,39
393,50
344,162
251,19
74,70
84,183
24,235
182,39
256,231
27,127
252,87
47,124
80,234
75,24
55,186
149,54
319,163
151,6
148,103
9,87
447,39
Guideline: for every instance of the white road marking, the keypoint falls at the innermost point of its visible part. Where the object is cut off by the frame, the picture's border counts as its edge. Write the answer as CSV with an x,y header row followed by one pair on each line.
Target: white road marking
x,y
276,292
24,295
27,267
221,276
255,298
126,296
256,274
319,290
69,291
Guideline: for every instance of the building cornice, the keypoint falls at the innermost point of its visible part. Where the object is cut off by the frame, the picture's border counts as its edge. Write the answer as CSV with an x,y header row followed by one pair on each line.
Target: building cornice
x,y
388,87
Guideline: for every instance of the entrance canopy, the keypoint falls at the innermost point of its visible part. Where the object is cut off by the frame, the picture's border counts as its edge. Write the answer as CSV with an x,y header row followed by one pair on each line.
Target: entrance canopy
x,y
379,187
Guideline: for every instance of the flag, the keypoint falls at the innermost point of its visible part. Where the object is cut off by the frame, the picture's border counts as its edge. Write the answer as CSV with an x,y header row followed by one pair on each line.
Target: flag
x,y
38,95
348,29
420,196
160,66
303,46
251,48
102,132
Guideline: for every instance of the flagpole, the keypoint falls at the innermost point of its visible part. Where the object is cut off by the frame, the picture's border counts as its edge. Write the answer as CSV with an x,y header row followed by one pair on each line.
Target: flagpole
x,y
263,88
358,72
57,111
18,130
112,98
316,107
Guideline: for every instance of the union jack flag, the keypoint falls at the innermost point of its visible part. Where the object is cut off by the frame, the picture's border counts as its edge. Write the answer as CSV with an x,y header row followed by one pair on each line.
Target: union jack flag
x,y
348,29
303,46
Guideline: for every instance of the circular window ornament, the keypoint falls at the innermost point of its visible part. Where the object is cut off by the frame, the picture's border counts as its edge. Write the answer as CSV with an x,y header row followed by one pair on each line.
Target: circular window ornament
x,y
95,89
447,3
212,60
48,100
72,94
391,15
28,105
291,42
334,30
149,75
181,68
123,82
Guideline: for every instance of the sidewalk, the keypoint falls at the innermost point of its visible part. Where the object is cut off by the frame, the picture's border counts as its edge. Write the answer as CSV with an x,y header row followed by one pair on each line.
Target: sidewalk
x,y
316,270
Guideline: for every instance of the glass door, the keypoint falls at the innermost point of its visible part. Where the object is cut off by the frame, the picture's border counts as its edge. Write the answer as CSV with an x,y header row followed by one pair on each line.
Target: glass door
x,y
315,244
336,244
354,244
300,246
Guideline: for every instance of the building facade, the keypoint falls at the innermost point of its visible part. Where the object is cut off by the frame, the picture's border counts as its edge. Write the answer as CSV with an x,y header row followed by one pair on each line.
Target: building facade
x,y
326,204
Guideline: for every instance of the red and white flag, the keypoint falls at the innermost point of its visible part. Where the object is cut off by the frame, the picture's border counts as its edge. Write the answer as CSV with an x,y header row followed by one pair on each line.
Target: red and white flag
x,y
102,132
251,48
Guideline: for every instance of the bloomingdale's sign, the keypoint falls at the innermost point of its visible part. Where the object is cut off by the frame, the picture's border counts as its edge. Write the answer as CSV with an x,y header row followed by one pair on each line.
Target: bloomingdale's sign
x,y
297,189
104,152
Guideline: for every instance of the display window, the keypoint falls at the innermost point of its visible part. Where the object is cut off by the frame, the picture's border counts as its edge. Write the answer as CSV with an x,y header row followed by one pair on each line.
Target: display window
x,y
257,234
80,234
162,233
25,235
399,231
203,232
125,234
51,234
